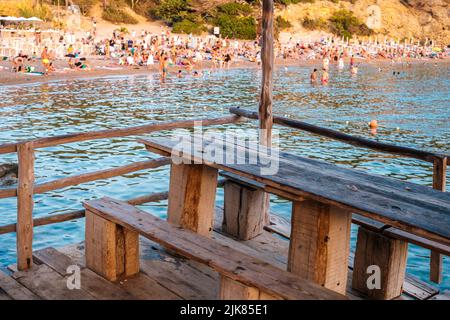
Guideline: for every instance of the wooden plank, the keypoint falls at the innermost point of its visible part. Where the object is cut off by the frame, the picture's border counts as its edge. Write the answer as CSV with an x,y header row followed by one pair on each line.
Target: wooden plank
x,y
233,290
418,289
229,262
407,206
439,181
49,285
100,175
25,203
320,244
352,140
192,197
91,282
111,251
15,290
243,211
139,286
189,280
121,132
4,296
388,255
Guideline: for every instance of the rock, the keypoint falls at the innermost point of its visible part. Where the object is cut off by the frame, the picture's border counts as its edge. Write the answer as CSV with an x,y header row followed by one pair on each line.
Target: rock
x,y
8,174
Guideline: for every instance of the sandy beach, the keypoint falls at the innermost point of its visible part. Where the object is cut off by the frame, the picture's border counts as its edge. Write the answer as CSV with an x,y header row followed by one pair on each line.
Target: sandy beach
x,y
103,68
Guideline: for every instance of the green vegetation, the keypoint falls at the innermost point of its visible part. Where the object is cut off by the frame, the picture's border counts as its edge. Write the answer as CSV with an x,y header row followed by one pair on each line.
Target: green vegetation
x,y
115,14
27,10
237,27
282,24
188,27
171,11
235,20
315,24
342,23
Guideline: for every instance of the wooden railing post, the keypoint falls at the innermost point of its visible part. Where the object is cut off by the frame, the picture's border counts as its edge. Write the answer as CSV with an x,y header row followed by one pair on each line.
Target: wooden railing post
x,y
439,180
25,189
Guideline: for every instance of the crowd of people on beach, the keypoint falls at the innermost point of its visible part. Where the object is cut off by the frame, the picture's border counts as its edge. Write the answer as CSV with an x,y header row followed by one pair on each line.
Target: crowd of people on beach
x,y
182,54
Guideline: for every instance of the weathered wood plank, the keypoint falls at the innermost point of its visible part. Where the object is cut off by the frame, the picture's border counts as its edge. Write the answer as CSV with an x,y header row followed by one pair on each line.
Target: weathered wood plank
x,y
91,282
320,244
352,140
25,203
229,262
189,280
14,289
410,207
244,211
388,255
111,251
192,196
49,285
139,286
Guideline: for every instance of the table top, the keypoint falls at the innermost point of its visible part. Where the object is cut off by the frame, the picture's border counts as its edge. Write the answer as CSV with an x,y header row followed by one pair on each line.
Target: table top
x,y
410,207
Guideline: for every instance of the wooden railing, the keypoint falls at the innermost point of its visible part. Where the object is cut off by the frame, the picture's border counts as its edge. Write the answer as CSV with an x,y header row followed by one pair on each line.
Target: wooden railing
x,y
439,161
27,188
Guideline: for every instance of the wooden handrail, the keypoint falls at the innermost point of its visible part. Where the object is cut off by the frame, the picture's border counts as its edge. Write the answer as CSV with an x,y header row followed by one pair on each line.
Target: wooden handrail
x,y
63,217
349,139
89,177
120,132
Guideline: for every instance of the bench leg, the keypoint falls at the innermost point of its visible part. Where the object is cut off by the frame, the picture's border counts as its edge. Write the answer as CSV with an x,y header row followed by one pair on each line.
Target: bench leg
x,y
320,244
244,211
376,253
234,290
111,250
192,195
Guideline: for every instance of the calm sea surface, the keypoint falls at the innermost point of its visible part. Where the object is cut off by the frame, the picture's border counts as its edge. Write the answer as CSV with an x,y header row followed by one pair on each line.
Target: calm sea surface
x,y
412,109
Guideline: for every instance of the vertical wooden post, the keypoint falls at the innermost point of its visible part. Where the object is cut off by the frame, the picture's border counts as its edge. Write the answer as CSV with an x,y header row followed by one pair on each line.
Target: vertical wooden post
x,y
243,215
234,290
25,190
266,100
192,195
111,250
320,244
439,181
387,257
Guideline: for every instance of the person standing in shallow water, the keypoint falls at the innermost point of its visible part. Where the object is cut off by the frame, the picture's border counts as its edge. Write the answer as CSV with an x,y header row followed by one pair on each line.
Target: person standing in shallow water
x,y
313,76
325,77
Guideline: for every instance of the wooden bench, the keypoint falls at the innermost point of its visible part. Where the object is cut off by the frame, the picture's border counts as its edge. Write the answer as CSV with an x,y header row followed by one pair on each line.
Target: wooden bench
x,y
324,197
112,250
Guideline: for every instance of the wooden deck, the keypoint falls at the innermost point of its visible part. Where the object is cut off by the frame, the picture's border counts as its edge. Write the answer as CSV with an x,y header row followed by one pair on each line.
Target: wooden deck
x,y
163,275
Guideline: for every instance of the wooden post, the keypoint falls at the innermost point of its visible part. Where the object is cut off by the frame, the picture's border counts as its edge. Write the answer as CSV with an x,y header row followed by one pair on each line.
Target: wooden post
x,y
388,256
320,244
266,100
111,250
243,215
192,195
234,290
25,189
439,181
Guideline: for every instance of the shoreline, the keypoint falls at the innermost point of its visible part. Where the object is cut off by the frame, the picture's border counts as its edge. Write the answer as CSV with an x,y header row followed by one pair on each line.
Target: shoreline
x,y
7,78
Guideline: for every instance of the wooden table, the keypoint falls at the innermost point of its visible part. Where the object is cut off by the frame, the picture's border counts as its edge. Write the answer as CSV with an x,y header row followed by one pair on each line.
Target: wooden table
x,y
324,196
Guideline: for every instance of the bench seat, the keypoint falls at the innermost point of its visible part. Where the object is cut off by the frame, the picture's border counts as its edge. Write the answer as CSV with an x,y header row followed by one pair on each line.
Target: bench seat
x,y
242,276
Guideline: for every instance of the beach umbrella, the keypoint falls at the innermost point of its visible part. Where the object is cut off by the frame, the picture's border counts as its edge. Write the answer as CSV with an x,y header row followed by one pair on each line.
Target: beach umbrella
x,y
35,19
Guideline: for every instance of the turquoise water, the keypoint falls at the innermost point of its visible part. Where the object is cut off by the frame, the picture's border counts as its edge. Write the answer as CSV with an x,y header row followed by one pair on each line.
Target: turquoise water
x,y
412,110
